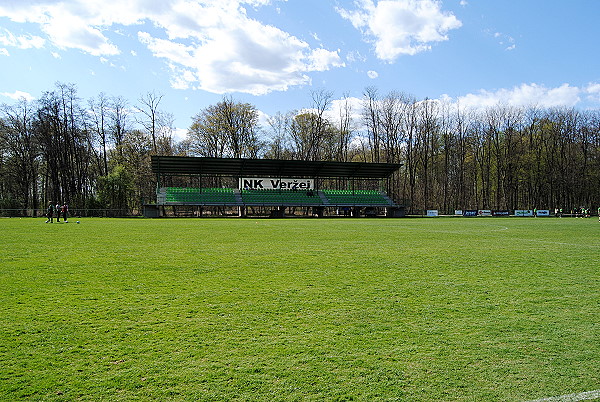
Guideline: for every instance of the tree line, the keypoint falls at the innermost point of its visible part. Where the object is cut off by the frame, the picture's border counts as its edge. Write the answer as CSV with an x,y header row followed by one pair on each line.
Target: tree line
x,y
95,154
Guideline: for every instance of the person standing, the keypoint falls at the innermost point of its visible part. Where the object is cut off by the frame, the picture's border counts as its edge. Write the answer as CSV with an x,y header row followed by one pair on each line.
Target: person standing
x,y
65,212
57,209
49,213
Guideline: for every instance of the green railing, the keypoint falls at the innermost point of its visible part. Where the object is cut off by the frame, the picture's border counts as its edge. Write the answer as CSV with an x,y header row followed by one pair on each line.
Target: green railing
x,y
281,197
188,195
356,197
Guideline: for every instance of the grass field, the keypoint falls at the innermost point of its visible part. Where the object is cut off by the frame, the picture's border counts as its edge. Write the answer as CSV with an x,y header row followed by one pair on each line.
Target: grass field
x,y
480,309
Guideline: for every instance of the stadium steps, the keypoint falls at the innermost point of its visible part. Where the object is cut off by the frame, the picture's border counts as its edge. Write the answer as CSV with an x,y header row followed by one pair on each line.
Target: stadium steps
x,y
388,198
238,196
324,199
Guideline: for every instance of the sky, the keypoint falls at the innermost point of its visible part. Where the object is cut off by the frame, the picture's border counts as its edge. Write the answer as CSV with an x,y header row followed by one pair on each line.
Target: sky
x,y
275,53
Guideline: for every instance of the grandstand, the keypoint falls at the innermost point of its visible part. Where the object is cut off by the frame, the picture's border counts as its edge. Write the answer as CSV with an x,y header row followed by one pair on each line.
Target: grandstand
x,y
273,186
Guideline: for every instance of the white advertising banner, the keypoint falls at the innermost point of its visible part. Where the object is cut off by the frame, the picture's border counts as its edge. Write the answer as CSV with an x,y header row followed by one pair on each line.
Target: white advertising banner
x,y
484,212
432,212
543,212
270,183
523,212
458,212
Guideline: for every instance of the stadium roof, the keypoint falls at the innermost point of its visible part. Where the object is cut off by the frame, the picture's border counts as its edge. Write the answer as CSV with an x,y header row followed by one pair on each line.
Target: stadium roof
x,y
236,167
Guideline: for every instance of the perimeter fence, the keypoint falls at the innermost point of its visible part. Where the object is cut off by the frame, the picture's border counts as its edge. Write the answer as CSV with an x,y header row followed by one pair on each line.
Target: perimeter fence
x,y
73,212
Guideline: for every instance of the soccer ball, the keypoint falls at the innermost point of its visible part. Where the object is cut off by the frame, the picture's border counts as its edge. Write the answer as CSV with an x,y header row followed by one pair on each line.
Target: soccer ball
x,y
78,222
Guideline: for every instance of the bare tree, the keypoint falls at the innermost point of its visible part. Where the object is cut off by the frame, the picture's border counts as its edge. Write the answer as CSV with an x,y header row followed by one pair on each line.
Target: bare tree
x,y
345,129
371,118
22,150
119,115
151,120
99,113
279,125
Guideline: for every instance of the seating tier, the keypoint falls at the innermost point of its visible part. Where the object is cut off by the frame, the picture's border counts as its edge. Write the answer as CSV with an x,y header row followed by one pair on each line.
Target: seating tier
x,y
356,197
280,197
229,196
190,195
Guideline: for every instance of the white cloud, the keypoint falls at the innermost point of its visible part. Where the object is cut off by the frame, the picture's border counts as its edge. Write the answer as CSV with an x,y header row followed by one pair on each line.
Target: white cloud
x,y
172,51
4,52
398,27
21,42
17,95
263,118
372,74
256,3
70,24
351,106
593,91
235,53
208,44
68,32
523,95
323,60
355,55
180,134
593,88
504,40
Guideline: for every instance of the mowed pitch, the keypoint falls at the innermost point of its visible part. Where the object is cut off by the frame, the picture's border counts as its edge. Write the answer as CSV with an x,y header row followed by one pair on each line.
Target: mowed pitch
x,y
299,309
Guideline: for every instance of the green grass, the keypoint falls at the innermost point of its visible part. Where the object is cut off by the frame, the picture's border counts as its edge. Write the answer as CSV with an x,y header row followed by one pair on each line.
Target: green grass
x,y
300,309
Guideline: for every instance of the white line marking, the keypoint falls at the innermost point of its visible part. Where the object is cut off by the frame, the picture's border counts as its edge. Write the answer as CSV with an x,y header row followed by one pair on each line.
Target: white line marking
x,y
583,396
560,244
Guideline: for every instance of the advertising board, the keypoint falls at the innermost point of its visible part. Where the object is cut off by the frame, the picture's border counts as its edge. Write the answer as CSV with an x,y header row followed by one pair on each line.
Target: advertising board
x,y
275,183
432,212
500,213
523,212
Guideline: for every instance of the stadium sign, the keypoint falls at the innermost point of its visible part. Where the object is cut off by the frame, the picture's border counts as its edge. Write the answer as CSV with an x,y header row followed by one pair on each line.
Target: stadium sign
x,y
270,183
501,213
523,212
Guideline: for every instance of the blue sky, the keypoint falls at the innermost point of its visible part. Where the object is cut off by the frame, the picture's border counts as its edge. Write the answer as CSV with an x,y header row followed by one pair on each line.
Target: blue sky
x,y
273,53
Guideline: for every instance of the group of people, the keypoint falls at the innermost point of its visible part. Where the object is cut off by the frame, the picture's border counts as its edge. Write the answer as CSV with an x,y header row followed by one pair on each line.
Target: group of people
x,y
581,212
58,211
